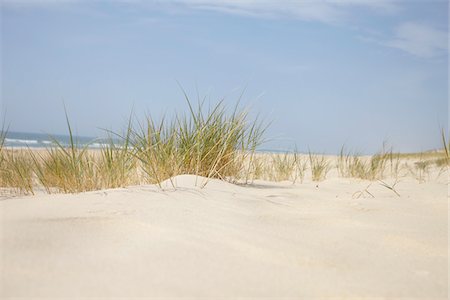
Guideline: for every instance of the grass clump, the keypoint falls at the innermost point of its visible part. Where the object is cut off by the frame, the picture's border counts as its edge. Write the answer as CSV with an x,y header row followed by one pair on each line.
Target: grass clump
x,y
301,168
212,144
117,166
422,169
319,166
287,166
154,147
446,144
15,171
3,166
283,167
351,165
70,169
256,169
375,167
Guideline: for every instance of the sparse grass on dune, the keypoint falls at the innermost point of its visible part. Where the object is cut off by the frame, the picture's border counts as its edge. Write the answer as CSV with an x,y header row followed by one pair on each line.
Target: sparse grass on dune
x,y
350,165
319,166
440,157
286,167
283,167
3,167
423,162
69,169
211,143
376,167
421,169
446,146
427,155
154,147
256,168
117,165
301,167
74,169
16,173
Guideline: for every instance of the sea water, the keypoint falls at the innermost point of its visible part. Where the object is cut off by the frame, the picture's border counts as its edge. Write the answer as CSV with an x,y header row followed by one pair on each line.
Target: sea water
x,y
42,140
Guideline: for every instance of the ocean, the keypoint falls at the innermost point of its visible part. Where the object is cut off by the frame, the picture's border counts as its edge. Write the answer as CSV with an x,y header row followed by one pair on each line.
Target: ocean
x,y
42,140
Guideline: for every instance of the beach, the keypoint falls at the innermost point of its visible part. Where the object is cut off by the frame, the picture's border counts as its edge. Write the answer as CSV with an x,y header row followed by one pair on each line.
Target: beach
x,y
199,149
340,238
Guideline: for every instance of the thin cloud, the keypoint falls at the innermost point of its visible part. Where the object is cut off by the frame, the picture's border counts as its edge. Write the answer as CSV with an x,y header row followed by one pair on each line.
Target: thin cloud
x,y
385,6
328,11
303,10
419,39
323,11
35,3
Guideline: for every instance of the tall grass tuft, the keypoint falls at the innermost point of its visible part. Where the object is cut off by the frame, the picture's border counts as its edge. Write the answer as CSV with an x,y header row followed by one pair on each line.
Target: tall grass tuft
x,y
69,169
117,166
284,166
212,144
319,165
15,171
301,167
351,165
375,167
288,166
256,168
154,146
446,145
3,167
421,169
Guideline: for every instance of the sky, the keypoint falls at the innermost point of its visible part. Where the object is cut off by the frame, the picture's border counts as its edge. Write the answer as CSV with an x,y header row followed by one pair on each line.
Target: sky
x,y
322,73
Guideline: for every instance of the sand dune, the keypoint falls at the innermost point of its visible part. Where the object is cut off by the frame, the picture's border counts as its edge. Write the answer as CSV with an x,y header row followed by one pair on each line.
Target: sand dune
x,y
263,240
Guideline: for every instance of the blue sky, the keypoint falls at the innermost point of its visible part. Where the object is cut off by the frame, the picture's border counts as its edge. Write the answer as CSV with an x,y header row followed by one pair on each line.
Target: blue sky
x,y
325,73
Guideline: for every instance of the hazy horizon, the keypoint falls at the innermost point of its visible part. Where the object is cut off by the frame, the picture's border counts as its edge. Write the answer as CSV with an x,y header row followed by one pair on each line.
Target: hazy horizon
x,y
324,74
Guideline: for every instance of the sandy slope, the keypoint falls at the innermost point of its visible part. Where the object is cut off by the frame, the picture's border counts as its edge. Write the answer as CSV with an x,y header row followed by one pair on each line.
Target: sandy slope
x,y
268,239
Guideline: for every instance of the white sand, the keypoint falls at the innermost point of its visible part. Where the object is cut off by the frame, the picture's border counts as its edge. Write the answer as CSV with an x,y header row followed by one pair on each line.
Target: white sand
x,y
266,240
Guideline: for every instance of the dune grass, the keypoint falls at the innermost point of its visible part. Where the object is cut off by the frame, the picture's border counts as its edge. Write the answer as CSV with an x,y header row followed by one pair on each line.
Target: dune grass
x,y
3,167
256,168
301,164
117,165
283,167
319,166
446,146
70,169
421,169
287,167
74,169
212,144
376,167
15,172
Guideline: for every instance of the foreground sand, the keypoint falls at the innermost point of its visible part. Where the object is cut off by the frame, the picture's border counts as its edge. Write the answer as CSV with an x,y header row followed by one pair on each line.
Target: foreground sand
x,y
264,240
